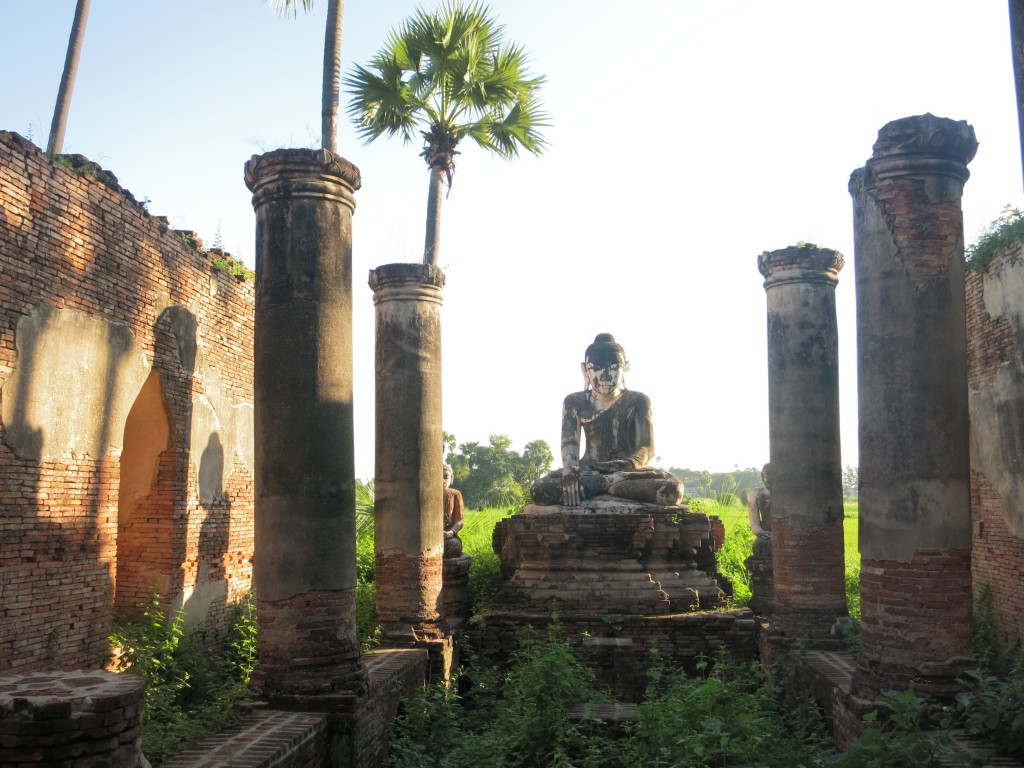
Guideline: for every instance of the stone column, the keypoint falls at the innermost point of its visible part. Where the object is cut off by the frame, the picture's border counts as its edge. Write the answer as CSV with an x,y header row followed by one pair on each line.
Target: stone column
x,y
915,507
304,563
803,423
409,489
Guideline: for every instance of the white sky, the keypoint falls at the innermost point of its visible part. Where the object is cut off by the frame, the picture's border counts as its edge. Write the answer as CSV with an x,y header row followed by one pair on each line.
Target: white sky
x,y
687,138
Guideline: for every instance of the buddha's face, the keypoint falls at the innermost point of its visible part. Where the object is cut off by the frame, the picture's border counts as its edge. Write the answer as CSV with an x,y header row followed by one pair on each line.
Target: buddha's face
x,y
604,372
447,477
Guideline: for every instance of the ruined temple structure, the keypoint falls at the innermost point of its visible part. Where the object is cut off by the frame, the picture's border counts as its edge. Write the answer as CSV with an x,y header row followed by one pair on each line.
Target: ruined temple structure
x,y
127,465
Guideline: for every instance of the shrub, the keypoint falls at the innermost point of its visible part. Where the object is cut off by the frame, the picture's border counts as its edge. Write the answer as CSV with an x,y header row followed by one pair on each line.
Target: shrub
x,y
511,722
193,688
900,740
725,716
995,707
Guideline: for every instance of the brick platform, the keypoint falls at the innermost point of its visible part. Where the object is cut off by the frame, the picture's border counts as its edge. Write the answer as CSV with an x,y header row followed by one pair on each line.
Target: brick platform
x,y
71,719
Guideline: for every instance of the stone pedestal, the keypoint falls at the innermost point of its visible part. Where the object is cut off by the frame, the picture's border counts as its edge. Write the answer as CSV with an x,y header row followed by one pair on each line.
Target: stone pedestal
x,y
609,556
458,603
762,588
409,530
915,516
304,564
803,422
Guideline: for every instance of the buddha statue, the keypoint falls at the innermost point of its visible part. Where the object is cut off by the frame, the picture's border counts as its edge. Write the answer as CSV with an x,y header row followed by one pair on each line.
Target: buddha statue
x,y
453,515
759,511
616,424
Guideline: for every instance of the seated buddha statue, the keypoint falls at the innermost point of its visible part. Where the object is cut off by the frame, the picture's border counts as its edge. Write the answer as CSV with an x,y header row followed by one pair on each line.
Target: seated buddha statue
x,y
619,438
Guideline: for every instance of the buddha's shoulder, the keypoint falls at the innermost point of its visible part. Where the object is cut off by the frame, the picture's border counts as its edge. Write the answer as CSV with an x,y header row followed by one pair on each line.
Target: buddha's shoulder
x,y
636,399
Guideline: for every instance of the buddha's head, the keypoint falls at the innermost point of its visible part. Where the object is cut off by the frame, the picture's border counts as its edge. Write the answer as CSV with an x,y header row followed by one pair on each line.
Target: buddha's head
x,y
604,365
449,475
766,475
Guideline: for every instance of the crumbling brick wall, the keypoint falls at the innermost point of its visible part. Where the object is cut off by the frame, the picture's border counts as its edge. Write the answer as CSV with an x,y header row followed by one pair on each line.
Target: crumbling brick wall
x,y
995,341
126,392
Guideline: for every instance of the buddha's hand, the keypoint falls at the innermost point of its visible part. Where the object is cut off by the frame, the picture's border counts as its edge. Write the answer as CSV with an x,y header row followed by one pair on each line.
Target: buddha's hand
x,y
572,489
616,465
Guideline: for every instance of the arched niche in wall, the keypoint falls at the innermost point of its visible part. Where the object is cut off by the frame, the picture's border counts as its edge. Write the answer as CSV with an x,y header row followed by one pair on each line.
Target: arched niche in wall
x,y
145,514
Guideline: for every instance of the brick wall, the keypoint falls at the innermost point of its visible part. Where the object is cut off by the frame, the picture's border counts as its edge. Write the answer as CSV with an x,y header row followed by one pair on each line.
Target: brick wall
x,y
77,251
995,343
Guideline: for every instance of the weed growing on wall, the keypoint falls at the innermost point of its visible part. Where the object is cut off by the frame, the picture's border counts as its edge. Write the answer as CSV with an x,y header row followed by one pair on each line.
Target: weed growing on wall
x,y
1004,231
192,690
227,263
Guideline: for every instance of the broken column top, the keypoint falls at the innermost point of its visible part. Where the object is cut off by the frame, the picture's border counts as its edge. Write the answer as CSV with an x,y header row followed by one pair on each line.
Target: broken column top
x,y
927,134
922,144
805,262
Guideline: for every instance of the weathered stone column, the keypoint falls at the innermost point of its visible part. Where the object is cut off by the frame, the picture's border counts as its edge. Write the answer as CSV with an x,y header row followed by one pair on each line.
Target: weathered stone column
x,y
304,564
408,498
803,424
915,507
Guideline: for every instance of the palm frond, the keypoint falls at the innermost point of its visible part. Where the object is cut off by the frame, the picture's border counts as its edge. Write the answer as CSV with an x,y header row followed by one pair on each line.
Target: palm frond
x,y
284,7
505,134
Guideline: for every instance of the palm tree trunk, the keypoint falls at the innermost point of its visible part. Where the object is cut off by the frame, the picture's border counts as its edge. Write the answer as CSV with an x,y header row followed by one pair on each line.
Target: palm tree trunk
x,y
332,75
432,244
1017,44
67,80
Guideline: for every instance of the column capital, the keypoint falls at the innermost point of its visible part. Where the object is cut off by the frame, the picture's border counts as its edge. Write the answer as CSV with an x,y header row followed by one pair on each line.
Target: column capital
x,y
922,144
803,263
406,280
299,173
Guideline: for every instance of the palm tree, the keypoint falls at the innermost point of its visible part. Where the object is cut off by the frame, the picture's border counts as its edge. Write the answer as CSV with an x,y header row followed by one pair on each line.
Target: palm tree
x,y
332,65
55,144
448,74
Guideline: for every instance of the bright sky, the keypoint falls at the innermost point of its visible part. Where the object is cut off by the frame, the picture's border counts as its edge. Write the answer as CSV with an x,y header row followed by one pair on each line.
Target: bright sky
x,y
687,138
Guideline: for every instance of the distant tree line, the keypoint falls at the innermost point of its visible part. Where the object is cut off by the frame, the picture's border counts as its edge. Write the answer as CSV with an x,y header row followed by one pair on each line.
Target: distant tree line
x,y
493,475
730,487
727,487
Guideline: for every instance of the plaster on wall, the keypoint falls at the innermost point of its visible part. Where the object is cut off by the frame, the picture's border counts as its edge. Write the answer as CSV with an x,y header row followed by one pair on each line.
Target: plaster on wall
x,y
74,381
997,407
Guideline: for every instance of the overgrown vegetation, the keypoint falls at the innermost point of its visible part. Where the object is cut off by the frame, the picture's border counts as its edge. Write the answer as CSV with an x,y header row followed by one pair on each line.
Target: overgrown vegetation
x,y
367,629
1007,229
900,739
194,688
994,707
724,716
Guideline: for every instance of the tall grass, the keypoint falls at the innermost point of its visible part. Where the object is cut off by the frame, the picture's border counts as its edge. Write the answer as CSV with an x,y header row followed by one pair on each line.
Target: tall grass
x,y
739,540
476,534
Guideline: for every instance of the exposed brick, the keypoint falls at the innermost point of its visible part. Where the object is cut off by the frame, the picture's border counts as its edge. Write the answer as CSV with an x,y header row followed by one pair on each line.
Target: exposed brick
x,y
71,241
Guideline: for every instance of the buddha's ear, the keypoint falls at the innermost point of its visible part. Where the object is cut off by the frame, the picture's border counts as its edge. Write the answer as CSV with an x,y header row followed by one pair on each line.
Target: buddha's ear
x,y
586,379
625,366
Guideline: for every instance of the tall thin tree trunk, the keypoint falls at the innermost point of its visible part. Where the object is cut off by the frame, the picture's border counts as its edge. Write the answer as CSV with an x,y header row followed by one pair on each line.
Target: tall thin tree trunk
x,y
332,75
432,244
55,145
1017,45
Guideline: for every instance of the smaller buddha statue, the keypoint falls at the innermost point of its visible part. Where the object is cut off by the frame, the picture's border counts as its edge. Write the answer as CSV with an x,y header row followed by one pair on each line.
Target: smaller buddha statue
x,y
759,509
453,515
616,424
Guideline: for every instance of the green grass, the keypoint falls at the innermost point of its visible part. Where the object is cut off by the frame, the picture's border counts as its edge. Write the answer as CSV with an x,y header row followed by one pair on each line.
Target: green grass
x,y
738,539
477,529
